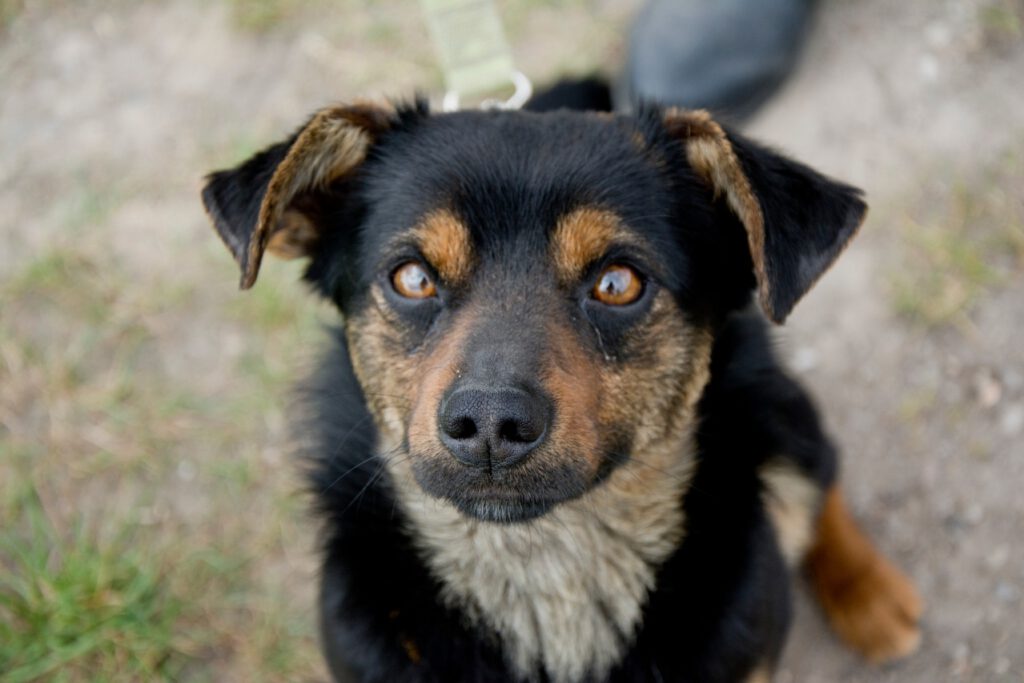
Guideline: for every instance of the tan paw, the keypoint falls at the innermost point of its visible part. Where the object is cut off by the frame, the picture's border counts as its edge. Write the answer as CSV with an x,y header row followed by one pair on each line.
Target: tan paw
x,y
876,612
870,603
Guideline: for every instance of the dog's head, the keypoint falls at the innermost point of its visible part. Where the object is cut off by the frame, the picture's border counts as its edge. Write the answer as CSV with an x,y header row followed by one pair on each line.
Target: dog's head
x,y
530,299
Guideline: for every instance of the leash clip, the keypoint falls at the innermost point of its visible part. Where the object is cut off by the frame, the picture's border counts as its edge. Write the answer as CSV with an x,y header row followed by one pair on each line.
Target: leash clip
x,y
523,86
475,57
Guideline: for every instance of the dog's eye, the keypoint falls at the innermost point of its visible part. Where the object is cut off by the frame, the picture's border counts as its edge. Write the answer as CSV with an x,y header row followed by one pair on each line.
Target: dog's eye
x,y
618,285
412,281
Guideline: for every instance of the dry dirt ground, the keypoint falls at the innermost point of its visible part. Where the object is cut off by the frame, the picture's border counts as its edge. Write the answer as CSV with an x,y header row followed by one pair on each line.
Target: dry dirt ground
x,y
150,521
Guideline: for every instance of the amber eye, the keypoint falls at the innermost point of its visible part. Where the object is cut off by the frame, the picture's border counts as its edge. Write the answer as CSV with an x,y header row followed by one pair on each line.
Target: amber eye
x,y
618,285
412,281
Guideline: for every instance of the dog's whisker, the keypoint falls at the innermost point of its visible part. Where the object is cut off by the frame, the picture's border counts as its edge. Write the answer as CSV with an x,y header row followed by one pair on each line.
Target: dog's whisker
x,y
347,472
345,438
366,487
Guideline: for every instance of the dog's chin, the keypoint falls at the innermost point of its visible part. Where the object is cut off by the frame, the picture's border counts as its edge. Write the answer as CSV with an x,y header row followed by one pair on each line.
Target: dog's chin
x,y
502,498
502,511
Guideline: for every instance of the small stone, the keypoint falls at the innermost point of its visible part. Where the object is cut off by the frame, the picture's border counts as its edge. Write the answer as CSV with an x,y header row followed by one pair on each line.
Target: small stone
x,y
104,25
152,514
1012,420
974,514
953,365
938,35
961,658
987,388
186,470
1002,666
1013,379
1007,592
929,67
998,557
146,515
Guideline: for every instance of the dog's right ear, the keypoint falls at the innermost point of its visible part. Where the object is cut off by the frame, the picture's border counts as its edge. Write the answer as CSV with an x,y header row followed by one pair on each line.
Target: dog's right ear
x,y
797,221
270,201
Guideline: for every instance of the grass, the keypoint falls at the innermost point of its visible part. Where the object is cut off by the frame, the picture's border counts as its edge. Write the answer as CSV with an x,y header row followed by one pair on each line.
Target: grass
x,y
1001,22
952,273
114,601
9,9
963,240
75,607
123,471
262,15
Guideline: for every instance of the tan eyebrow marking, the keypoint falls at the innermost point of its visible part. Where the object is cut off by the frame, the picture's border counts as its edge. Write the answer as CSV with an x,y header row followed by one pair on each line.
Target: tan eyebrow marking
x,y
581,237
445,242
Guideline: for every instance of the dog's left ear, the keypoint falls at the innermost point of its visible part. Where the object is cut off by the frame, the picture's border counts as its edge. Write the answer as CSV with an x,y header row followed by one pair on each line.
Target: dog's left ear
x,y
797,220
271,200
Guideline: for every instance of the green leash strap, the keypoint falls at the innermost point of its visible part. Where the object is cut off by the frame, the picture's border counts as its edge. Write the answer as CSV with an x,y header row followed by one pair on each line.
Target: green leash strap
x,y
474,54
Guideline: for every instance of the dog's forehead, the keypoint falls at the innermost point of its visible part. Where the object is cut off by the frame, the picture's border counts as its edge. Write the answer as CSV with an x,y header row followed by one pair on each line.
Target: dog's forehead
x,y
511,175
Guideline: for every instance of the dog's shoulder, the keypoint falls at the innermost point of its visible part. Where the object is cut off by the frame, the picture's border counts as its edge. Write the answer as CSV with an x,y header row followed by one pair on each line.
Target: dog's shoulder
x,y
754,408
335,433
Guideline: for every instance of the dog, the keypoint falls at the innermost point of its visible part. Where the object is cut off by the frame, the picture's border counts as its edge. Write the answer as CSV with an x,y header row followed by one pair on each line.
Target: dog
x,y
550,441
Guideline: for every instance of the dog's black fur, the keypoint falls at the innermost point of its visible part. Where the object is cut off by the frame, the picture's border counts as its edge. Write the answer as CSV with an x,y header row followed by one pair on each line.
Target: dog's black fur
x,y
720,606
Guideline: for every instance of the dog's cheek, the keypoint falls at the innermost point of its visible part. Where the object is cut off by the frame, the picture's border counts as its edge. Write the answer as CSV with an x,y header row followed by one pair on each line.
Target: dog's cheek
x,y
650,393
434,372
641,399
384,368
572,378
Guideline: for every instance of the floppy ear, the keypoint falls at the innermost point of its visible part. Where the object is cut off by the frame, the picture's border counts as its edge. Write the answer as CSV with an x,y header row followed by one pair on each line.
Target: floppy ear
x,y
270,201
797,221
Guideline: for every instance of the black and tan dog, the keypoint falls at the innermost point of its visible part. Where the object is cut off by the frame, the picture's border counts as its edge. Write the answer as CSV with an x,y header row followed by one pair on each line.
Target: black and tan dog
x,y
554,444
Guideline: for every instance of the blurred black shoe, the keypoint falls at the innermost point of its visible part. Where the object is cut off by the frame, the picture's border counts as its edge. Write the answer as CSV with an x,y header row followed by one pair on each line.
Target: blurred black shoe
x,y
728,56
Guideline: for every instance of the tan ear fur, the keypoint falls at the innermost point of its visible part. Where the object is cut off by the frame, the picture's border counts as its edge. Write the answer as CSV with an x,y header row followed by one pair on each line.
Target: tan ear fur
x,y
295,236
712,156
331,145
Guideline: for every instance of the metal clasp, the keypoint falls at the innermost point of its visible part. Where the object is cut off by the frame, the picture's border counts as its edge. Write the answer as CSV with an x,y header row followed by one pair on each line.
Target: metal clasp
x,y
523,92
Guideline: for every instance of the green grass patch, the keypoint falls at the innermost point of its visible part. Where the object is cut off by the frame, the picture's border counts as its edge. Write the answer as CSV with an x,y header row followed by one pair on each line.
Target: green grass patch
x,y
960,245
66,281
76,607
9,9
90,206
114,600
917,403
262,15
1002,21
952,272
55,269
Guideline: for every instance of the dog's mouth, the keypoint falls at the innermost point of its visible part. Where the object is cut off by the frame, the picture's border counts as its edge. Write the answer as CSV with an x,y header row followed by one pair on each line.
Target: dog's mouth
x,y
508,496
503,509
503,451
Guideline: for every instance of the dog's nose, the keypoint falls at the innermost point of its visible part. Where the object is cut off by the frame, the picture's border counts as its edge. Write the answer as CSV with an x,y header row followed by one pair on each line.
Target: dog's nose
x,y
485,427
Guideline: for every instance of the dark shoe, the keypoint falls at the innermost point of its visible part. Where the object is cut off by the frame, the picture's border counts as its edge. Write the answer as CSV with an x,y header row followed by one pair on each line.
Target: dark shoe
x,y
728,56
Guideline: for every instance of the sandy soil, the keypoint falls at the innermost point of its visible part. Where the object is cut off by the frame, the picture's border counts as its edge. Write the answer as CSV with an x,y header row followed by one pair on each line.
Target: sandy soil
x,y
111,111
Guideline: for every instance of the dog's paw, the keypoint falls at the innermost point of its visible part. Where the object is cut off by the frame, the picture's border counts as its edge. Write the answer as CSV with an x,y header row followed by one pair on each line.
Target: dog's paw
x,y
875,611
870,603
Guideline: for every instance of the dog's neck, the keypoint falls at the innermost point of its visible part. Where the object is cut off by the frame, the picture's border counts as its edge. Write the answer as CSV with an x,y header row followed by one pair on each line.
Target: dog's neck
x,y
565,591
